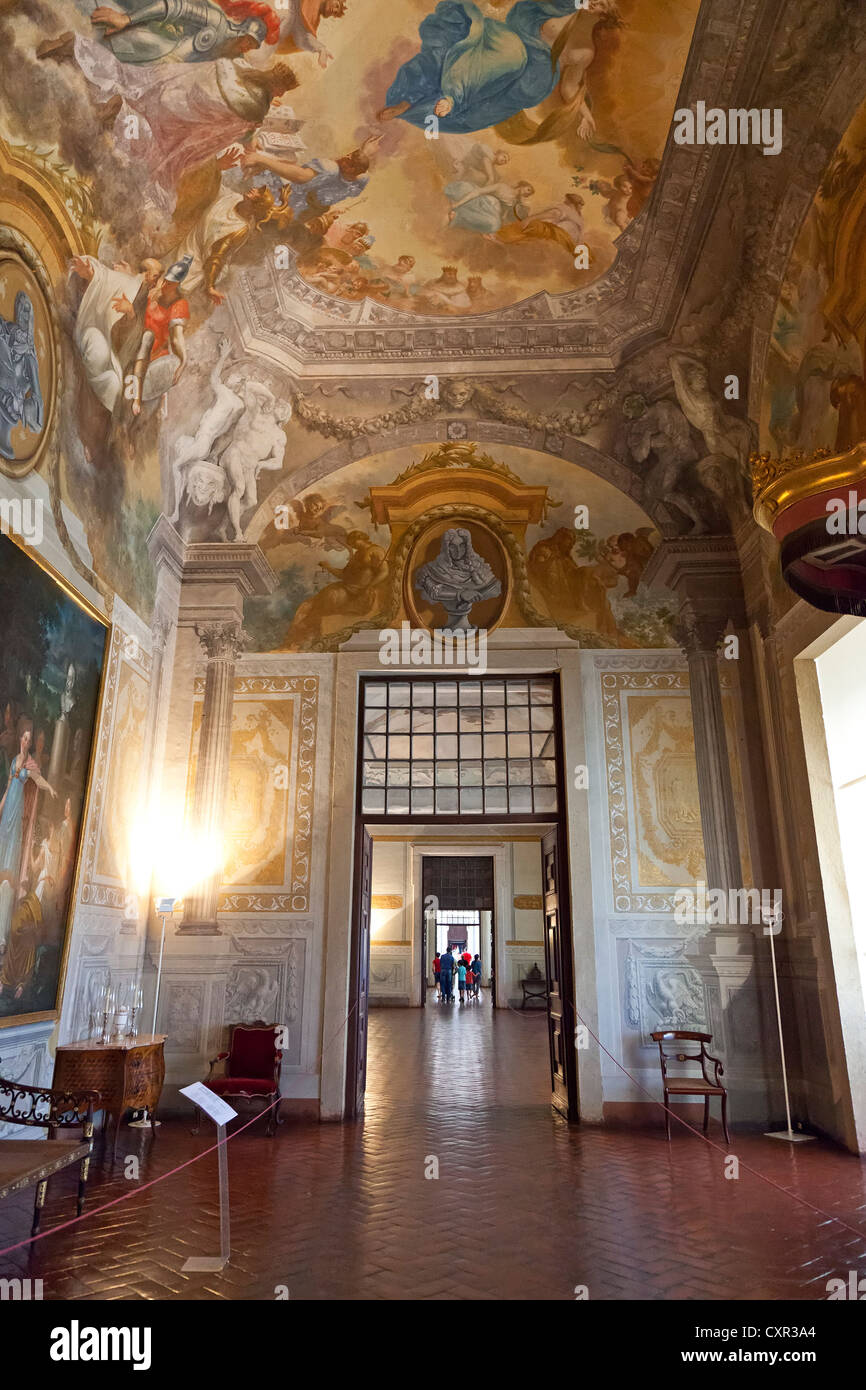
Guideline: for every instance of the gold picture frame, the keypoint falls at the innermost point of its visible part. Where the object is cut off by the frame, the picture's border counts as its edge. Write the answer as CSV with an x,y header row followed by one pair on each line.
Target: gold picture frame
x,y
80,777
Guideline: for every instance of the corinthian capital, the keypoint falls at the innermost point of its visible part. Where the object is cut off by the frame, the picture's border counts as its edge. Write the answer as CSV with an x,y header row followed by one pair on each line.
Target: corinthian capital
x,y
224,641
699,632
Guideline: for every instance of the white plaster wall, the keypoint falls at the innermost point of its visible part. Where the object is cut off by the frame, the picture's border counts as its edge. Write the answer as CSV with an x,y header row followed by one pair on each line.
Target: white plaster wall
x,y
635,932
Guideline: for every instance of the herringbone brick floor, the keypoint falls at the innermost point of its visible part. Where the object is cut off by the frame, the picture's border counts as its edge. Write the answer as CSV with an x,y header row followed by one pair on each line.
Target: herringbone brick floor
x,y
524,1206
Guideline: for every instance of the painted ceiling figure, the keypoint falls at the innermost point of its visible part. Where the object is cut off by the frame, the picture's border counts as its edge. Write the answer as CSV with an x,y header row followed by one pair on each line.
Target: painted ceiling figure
x,y
186,31
475,71
319,185
299,30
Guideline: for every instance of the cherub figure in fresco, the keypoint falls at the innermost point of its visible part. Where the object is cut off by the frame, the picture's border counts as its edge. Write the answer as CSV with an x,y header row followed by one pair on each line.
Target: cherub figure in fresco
x,y
314,523
299,26
618,196
181,31
475,71
642,175
357,593
629,553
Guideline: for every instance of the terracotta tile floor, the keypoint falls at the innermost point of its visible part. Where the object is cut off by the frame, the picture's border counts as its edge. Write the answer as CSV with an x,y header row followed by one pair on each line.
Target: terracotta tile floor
x,y
524,1207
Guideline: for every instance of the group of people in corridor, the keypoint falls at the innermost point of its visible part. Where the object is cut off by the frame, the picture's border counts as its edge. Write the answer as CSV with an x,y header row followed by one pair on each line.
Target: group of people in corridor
x,y
465,969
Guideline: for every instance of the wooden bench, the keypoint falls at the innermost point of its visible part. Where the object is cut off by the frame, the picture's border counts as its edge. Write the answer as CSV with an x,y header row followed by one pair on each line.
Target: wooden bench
x,y
24,1162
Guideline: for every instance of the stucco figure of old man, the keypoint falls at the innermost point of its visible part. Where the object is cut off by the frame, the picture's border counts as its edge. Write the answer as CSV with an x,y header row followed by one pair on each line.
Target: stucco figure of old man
x,y
458,579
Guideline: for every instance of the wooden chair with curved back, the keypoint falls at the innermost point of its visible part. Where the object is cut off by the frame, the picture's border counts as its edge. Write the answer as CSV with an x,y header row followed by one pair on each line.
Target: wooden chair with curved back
x,y
702,1085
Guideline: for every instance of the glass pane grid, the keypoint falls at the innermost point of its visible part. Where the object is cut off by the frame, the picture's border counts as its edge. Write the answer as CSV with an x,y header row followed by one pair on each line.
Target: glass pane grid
x,y
445,747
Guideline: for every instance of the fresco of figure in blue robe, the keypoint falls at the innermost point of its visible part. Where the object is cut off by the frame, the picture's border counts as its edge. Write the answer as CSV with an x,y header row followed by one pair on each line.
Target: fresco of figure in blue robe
x,y
474,72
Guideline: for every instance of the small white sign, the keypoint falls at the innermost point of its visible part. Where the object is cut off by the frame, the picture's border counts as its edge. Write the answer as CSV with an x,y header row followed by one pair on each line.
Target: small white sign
x,y
209,1102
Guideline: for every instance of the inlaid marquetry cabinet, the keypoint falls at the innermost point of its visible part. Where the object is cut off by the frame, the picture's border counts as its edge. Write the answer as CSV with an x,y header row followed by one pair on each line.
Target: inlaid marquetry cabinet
x,y
128,1073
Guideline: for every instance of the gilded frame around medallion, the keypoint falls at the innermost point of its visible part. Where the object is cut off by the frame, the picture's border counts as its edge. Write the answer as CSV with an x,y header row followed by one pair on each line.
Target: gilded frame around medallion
x,y
53,1014
15,249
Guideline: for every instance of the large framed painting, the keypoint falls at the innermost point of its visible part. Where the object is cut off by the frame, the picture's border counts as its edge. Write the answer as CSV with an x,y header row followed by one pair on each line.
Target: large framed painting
x,y
52,657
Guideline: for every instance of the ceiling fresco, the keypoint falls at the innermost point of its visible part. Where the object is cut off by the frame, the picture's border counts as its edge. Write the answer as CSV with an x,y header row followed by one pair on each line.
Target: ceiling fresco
x,y
441,159
261,271
814,387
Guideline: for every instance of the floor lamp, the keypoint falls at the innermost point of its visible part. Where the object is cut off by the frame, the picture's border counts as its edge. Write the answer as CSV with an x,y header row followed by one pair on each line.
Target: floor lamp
x,y
164,908
773,920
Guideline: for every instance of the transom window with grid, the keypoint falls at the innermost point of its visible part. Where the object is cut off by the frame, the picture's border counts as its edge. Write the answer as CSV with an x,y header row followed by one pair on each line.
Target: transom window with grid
x,y
458,747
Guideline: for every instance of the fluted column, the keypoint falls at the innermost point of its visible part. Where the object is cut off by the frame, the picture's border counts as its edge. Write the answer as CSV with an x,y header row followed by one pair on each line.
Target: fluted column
x,y
700,640
223,643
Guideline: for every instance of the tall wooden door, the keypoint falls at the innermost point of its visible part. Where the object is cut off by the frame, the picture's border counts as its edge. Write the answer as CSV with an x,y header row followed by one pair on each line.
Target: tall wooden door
x,y
359,984
560,976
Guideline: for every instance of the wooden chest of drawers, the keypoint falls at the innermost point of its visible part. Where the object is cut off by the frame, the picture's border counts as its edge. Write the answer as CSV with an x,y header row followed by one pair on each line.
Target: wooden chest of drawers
x,y
127,1073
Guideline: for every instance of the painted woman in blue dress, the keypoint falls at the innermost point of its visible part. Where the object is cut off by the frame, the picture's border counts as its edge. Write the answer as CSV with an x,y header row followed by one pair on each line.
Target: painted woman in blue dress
x,y
475,71
17,813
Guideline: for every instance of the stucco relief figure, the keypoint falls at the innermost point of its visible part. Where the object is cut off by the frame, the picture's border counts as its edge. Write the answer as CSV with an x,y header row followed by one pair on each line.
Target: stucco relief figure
x,y
358,593
239,436
252,994
677,997
458,579
197,477
20,393
258,444
725,436
662,430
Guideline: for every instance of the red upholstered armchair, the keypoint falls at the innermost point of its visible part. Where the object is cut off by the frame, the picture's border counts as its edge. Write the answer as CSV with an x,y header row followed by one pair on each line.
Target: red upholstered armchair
x,y
252,1069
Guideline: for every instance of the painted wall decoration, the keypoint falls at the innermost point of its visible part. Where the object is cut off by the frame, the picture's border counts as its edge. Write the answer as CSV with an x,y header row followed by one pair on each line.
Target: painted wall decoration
x,y
653,808
258,798
815,388
269,811
50,671
347,560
